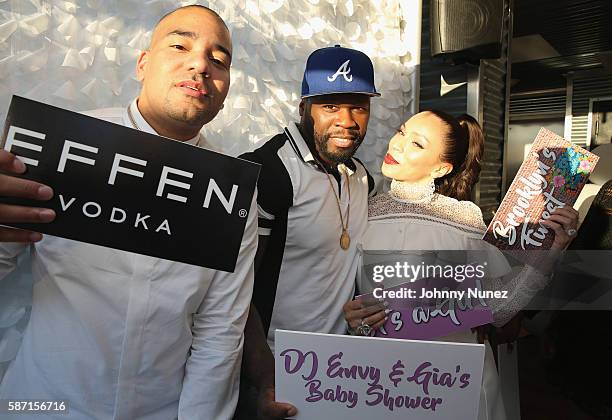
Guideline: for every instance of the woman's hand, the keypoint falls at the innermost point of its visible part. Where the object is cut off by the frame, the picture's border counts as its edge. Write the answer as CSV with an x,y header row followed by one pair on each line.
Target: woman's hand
x,y
564,222
365,315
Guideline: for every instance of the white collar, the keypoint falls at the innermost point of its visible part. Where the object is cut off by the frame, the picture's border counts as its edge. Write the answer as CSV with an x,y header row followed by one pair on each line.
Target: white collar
x,y
142,125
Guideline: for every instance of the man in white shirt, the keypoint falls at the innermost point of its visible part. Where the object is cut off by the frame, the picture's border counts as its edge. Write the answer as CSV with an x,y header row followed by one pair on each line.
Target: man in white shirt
x,y
119,335
313,205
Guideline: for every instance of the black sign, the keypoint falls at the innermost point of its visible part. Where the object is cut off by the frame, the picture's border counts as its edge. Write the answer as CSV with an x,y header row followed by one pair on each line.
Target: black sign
x,y
126,189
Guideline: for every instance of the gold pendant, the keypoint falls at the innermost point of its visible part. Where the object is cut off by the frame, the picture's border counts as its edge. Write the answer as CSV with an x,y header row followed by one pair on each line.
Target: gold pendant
x,y
345,240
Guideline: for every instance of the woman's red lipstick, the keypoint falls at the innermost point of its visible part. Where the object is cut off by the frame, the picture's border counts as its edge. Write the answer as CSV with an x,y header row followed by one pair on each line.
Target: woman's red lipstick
x,y
389,160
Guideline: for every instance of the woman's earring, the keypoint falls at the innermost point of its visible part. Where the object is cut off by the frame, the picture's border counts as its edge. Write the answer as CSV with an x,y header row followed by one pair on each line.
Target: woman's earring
x,y
432,185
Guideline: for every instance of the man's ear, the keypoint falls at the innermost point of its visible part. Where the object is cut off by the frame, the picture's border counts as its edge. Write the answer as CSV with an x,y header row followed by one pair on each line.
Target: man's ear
x,y
141,63
442,170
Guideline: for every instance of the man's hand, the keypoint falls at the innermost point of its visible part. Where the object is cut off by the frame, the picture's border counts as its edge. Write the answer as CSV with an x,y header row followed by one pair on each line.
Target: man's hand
x,y
258,369
269,409
21,188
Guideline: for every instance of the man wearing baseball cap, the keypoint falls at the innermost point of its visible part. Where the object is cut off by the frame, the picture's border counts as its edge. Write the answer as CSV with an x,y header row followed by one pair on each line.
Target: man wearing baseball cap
x,y
312,199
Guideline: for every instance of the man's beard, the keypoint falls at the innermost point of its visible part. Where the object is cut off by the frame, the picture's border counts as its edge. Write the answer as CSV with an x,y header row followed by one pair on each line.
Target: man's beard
x,y
192,117
189,115
340,155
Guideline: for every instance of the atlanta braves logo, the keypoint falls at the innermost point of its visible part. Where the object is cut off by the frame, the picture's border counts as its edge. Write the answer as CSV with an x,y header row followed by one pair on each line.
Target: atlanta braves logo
x,y
344,70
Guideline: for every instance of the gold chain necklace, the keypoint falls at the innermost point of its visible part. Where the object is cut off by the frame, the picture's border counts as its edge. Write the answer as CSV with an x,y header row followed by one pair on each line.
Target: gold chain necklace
x,y
345,239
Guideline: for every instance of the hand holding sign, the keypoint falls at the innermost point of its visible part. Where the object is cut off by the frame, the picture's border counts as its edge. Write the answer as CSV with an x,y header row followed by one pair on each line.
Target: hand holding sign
x,y
11,186
539,199
122,188
269,409
367,311
562,221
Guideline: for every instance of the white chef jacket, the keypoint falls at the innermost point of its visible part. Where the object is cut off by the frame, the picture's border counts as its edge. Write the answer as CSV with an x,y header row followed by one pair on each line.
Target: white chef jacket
x,y
126,336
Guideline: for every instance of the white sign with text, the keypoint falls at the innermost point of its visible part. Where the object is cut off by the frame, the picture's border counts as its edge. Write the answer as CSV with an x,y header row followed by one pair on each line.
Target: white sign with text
x,y
363,378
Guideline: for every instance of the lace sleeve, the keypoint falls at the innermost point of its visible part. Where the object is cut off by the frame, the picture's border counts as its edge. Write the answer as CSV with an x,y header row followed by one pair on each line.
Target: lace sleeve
x,y
521,289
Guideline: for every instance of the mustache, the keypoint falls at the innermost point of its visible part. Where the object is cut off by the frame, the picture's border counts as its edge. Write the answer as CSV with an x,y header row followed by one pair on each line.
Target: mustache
x,y
353,134
198,78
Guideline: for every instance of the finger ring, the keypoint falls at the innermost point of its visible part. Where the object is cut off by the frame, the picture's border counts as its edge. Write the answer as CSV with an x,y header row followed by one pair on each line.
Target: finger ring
x,y
571,232
364,329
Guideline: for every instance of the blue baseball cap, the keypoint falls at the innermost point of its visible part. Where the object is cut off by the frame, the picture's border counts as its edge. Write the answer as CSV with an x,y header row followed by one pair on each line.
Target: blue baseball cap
x,y
338,70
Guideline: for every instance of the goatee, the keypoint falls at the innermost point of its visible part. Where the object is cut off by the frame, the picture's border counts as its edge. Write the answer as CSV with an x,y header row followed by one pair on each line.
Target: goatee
x,y
340,155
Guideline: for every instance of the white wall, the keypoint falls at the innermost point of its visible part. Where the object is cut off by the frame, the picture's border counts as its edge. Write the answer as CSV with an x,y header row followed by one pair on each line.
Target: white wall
x,y
80,54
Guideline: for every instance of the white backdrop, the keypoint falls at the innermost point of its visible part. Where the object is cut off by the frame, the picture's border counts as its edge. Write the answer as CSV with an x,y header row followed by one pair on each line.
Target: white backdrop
x,y
80,55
